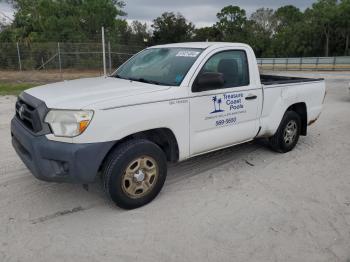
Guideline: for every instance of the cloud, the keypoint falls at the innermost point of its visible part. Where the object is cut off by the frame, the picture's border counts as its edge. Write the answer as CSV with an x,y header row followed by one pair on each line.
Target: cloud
x,y
6,12
200,12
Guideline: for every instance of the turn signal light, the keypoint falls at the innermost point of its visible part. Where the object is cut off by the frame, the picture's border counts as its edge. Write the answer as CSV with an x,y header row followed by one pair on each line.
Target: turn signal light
x,y
83,125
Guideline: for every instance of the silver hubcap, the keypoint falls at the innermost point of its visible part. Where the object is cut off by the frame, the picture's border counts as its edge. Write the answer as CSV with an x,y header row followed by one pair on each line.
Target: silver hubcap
x,y
290,132
139,176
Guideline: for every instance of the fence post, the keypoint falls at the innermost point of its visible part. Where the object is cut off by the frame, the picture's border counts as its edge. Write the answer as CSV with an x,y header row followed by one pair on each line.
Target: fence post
x,y
19,58
301,63
317,62
103,51
273,64
109,57
334,62
287,64
42,63
59,59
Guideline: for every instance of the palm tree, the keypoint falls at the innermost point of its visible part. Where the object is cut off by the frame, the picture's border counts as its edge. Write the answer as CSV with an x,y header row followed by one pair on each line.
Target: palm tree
x,y
214,100
219,102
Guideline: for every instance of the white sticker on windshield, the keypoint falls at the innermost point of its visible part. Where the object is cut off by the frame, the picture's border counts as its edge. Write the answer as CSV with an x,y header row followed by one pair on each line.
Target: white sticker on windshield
x,y
188,53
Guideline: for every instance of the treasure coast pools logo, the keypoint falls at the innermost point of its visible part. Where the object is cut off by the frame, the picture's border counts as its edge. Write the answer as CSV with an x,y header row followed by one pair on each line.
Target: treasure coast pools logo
x,y
232,101
217,105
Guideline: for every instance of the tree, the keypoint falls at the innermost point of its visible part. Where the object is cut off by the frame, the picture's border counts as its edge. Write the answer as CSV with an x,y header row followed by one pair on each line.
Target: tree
x,y
140,31
97,13
171,28
257,38
65,20
289,32
287,16
323,15
5,33
260,30
232,21
121,32
343,23
324,28
3,21
265,19
207,34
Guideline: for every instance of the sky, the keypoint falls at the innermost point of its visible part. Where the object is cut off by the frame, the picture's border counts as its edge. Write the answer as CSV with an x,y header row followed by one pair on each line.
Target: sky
x,y
200,12
5,11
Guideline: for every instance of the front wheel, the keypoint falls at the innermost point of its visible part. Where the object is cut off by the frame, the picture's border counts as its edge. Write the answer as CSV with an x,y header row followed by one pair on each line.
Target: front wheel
x,y
287,134
134,173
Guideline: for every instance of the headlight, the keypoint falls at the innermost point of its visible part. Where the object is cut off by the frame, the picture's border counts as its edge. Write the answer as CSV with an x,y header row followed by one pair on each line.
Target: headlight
x,y
68,123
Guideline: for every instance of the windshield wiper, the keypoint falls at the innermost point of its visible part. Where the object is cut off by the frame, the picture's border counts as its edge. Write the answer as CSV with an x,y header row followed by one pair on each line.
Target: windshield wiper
x,y
145,81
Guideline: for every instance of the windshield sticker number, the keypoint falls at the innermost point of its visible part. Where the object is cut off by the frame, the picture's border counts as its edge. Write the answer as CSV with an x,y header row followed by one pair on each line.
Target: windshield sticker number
x,y
187,53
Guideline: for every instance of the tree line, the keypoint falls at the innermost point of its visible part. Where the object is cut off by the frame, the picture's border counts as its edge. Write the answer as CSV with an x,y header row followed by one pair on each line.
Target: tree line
x,y
321,30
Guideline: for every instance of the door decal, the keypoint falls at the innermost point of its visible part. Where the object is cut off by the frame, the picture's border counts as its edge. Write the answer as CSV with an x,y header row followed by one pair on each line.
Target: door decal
x,y
232,102
225,109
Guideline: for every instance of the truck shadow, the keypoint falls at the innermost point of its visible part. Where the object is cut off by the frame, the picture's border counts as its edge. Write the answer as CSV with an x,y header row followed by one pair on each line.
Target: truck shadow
x,y
197,165
246,154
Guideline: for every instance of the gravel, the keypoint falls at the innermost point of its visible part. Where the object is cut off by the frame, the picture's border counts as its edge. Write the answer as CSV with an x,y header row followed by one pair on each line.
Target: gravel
x,y
244,203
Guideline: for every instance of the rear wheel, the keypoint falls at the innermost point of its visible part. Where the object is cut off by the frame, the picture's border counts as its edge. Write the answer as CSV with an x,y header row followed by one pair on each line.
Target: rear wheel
x,y
287,134
134,173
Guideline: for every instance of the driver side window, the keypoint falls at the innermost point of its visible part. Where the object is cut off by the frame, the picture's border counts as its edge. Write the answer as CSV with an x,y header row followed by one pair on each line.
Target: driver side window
x,y
231,66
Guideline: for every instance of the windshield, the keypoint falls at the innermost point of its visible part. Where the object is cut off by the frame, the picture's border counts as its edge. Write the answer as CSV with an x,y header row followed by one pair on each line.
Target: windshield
x,y
162,66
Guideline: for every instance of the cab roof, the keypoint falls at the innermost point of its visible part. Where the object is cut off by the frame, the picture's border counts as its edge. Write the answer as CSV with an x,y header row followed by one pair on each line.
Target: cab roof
x,y
202,45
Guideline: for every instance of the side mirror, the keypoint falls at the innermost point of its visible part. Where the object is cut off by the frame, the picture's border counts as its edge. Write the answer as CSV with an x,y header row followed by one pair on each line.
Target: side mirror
x,y
209,81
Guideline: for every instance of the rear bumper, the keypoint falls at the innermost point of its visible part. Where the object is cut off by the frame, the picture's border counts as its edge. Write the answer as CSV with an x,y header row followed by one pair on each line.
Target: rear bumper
x,y
57,161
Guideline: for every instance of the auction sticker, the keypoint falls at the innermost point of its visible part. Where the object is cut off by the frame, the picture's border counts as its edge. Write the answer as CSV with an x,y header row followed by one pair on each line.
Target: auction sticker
x,y
188,53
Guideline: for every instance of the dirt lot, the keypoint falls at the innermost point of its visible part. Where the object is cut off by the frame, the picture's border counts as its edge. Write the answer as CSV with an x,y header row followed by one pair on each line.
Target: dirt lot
x,y
45,76
240,204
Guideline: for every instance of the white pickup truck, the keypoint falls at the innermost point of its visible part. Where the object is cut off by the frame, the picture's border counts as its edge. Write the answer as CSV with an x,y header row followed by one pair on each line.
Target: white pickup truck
x,y
166,104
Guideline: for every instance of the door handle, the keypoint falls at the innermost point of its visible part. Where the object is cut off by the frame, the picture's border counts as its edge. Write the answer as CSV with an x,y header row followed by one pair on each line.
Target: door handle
x,y
251,97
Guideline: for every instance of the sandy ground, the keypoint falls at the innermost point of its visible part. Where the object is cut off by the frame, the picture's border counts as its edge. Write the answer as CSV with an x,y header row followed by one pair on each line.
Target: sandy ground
x,y
45,76
240,204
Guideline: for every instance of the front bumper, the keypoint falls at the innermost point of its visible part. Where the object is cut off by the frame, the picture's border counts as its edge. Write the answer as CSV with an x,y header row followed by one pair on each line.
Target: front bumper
x,y
57,161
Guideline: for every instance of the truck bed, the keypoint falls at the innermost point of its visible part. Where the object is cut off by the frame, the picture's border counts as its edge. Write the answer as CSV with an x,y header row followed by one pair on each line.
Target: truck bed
x,y
278,80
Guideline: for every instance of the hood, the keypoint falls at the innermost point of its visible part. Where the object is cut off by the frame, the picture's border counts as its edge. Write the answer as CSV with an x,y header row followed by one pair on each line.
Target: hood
x,y
82,93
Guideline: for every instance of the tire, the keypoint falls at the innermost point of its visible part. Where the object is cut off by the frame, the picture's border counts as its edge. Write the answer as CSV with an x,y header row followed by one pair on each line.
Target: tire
x,y
134,173
285,139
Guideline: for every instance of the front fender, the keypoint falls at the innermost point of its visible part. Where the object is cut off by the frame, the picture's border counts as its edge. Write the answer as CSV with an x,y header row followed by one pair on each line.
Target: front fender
x,y
118,123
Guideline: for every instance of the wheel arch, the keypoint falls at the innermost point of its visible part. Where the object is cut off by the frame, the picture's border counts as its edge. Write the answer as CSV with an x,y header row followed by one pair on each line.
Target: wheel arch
x,y
163,137
301,109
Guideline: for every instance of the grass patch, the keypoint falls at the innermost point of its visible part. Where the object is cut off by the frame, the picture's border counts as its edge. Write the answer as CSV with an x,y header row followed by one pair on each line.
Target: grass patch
x,y
14,89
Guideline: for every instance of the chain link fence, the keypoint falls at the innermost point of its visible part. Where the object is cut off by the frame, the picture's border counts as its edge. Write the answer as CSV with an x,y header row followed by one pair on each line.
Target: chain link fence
x,y
65,60
50,62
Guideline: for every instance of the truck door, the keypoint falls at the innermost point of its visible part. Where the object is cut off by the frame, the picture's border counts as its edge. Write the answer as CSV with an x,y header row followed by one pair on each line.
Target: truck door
x,y
227,114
